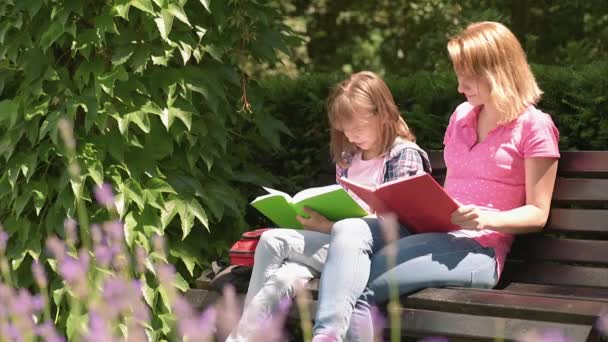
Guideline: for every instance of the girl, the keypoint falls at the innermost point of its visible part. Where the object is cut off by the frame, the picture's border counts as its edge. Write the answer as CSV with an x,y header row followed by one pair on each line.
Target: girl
x,y
370,143
501,155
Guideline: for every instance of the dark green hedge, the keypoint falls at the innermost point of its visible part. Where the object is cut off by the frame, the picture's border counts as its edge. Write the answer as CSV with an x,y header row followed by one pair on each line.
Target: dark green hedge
x,y
576,97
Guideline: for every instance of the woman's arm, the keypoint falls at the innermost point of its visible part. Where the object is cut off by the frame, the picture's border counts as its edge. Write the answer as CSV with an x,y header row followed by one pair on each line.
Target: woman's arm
x,y
532,217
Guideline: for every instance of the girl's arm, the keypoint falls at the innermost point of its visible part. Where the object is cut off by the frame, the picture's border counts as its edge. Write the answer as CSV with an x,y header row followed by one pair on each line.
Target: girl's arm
x,y
532,217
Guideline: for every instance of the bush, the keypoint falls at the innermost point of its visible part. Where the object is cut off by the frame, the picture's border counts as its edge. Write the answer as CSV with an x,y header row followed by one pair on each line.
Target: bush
x,y
162,108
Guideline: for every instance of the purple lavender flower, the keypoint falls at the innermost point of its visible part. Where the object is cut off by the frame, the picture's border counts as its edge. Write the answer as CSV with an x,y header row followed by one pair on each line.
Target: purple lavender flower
x,y
71,269
69,225
550,335
99,329
47,331
140,259
104,195
115,230
159,244
199,328
3,240
39,274
602,323
56,247
229,311
272,328
103,255
96,234
165,273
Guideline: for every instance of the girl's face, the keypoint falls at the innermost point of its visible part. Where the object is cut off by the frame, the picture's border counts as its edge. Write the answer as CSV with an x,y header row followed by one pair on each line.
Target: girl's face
x,y
475,89
363,132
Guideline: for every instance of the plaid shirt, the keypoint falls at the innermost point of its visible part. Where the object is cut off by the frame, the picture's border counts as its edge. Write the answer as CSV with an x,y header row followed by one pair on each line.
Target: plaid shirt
x,y
405,158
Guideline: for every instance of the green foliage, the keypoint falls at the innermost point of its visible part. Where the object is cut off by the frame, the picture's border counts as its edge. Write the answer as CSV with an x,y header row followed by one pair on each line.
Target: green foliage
x,y
576,98
400,37
161,109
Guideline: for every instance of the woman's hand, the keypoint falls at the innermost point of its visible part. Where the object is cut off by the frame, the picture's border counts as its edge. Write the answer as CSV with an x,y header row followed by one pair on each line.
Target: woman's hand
x,y
316,222
472,217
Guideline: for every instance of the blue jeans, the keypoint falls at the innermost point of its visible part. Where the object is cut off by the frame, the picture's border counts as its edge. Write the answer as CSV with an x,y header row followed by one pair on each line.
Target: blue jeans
x,y
421,261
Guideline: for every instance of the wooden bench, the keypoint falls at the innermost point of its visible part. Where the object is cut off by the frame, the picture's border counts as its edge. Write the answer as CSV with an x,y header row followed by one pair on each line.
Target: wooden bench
x,y
555,280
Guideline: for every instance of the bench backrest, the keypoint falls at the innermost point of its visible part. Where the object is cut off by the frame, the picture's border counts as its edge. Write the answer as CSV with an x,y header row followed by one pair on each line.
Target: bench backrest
x,y
573,248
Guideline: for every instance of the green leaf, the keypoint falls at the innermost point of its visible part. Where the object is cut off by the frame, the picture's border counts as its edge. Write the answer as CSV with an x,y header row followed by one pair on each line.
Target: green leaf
x,y
206,4
141,120
55,30
178,12
180,283
95,170
158,185
164,23
186,217
199,212
8,112
133,192
21,202
122,54
121,8
169,212
129,229
76,323
143,5
39,192
183,115
148,292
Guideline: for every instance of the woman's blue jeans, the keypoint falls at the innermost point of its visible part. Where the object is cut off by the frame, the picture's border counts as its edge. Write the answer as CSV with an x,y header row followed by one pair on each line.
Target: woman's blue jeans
x,y
358,272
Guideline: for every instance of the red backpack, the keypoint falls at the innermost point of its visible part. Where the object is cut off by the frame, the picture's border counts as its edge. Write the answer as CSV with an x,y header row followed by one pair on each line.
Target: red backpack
x,y
241,253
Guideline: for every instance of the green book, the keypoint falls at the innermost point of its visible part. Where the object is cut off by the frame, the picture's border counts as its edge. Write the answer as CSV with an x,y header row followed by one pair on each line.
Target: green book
x,y
331,201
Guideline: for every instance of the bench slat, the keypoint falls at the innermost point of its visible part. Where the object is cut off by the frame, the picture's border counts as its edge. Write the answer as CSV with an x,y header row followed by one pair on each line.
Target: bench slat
x,y
500,304
583,162
463,327
574,190
558,291
555,274
578,220
564,250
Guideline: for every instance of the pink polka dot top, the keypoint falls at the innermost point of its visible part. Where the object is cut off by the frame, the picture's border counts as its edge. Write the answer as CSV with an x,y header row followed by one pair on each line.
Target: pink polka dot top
x,y
490,174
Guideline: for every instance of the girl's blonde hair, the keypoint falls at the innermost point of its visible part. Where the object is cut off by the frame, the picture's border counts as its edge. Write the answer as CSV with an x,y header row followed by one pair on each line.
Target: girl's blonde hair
x,y
363,94
491,51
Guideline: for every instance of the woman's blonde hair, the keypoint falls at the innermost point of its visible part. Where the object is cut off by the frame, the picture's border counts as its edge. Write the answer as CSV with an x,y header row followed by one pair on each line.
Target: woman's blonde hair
x,y
491,51
363,94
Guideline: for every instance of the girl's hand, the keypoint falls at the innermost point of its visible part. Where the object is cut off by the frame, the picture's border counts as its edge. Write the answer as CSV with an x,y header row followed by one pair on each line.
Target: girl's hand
x,y
316,222
471,217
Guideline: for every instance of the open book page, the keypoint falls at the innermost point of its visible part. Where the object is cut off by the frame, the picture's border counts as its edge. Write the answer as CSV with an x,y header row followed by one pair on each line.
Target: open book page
x,y
273,192
333,202
313,192
278,209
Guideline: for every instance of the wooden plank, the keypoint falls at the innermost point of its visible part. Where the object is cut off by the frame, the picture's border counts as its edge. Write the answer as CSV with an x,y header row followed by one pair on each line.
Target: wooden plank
x,y
463,327
496,303
583,162
574,190
578,220
535,247
437,162
586,293
555,274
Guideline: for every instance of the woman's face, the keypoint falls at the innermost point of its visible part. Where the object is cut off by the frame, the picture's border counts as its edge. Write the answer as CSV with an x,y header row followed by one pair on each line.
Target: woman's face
x,y
475,89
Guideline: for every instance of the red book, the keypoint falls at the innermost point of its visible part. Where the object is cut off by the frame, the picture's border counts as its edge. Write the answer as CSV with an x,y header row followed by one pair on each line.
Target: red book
x,y
420,203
